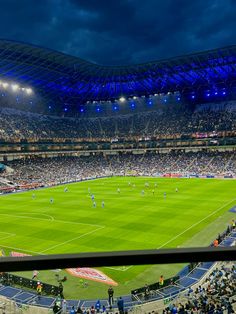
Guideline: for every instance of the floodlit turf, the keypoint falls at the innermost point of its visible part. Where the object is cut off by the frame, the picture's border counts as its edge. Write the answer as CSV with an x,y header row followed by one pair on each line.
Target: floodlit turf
x,y
129,220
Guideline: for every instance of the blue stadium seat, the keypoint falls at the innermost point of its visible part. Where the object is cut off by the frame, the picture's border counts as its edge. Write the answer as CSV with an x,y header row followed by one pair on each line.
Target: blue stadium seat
x,y
197,273
44,301
186,281
10,292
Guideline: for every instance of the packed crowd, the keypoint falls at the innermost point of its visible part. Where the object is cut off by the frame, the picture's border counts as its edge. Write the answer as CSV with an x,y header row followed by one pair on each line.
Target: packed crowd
x,y
15,124
48,171
217,295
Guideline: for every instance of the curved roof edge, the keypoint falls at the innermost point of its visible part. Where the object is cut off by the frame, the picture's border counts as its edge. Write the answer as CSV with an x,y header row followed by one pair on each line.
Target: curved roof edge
x,y
76,59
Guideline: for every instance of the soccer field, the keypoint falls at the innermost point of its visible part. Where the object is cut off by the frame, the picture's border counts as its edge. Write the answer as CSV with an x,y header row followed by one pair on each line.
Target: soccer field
x,y
192,216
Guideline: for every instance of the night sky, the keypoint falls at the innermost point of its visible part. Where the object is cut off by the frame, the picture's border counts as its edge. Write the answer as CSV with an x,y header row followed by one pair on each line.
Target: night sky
x,y
118,32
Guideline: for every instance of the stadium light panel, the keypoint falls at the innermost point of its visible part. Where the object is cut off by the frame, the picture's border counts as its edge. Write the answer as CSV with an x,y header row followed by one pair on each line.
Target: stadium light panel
x,y
135,97
122,99
5,84
15,87
216,93
28,91
224,93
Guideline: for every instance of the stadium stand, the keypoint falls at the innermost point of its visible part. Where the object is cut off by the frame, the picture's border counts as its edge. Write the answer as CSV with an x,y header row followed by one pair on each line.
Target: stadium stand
x,y
51,171
16,124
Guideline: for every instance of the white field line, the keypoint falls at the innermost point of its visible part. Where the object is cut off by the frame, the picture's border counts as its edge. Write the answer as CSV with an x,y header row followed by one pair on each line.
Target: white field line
x,y
29,217
178,235
49,216
8,236
196,223
19,249
124,268
52,219
79,237
101,227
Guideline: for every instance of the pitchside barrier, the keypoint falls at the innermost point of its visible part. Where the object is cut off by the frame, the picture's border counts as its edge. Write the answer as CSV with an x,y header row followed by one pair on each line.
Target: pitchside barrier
x,y
7,279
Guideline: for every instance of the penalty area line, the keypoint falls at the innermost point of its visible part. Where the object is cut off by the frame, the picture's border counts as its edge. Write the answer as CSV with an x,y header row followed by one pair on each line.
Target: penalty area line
x,y
19,249
124,268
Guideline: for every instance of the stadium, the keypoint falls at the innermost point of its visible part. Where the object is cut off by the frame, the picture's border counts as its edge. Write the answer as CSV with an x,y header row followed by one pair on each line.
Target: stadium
x,y
110,158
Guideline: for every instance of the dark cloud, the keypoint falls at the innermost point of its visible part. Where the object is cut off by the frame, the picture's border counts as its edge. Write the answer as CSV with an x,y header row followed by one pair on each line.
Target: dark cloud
x,y
122,31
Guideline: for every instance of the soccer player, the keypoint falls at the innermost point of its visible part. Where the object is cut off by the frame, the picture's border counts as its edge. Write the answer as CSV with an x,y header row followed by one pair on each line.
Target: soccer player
x,y
155,185
153,192
94,204
164,194
118,190
33,196
89,191
176,190
51,200
142,192
92,197
103,204
65,189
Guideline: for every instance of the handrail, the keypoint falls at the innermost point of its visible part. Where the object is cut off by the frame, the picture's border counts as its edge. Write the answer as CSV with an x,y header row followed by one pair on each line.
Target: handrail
x,y
117,258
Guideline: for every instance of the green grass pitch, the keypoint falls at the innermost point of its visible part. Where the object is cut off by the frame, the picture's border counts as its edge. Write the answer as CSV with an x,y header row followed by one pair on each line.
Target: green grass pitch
x,y
193,216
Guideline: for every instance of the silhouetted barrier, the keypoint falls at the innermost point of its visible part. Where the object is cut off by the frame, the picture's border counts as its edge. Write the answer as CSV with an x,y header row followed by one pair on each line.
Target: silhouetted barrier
x,y
117,258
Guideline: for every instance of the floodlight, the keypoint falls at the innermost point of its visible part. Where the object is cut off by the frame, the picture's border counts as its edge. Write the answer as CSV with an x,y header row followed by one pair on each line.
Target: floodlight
x,y
122,99
14,87
28,91
5,84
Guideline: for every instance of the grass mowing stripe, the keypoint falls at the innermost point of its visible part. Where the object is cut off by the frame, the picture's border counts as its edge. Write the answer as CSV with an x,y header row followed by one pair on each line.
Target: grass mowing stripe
x,y
19,249
131,221
68,241
29,217
197,223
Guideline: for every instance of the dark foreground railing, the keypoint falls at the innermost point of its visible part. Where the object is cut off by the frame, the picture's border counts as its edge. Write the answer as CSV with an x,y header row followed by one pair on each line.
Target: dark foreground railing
x,y
116,258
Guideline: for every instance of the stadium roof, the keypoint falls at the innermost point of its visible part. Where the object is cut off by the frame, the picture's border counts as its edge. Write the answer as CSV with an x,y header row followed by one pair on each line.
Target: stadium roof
x,y
69,79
